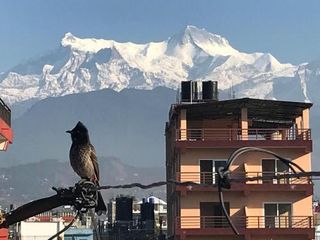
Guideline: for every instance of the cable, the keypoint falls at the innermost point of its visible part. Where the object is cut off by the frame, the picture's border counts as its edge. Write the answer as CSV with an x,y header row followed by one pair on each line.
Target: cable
x,y
224,179
191,183
131,185
66,227
234,229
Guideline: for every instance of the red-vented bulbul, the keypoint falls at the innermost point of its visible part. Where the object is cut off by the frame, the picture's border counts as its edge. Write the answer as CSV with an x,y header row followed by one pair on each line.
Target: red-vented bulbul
x,y
83,160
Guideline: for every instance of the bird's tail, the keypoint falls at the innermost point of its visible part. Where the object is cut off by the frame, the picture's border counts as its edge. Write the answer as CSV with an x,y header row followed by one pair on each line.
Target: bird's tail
x,y
101,207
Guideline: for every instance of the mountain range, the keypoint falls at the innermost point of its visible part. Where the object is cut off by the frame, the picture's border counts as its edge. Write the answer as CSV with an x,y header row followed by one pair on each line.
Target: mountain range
x,y
83,65
123,93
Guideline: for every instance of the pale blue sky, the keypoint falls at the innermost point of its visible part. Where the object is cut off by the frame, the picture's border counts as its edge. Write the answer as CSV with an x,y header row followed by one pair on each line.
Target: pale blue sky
x,y
288,29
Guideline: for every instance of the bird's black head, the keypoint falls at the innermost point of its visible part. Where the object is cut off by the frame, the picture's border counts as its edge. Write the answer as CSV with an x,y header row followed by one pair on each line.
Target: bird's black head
x,y
79,134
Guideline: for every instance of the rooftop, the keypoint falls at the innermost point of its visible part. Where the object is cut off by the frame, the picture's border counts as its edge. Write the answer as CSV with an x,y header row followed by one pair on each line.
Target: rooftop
x,y
261,112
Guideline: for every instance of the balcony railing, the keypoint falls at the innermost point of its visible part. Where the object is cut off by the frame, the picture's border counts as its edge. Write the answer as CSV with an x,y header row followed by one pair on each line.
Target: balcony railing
x,y
5,112
238,134
211,178
275,222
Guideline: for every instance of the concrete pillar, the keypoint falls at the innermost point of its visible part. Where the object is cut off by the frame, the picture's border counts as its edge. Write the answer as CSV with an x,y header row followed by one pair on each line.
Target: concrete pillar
x,y
299,126
305,119
244,123
299,122
183,124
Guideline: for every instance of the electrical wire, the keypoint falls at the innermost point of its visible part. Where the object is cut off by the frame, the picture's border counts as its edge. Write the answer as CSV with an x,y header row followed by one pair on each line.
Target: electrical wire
x,y
191,183
224,180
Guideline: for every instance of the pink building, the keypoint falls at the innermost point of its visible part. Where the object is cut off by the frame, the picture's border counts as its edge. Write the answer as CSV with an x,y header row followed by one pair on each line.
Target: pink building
x,y
4,234
200,136
6,134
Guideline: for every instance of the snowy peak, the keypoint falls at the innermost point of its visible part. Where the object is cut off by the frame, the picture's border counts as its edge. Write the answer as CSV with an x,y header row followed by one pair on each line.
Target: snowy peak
x,y
266,62
211,44
85,45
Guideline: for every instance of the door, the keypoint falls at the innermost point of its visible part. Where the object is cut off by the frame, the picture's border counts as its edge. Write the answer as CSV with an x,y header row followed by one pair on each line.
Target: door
x,y
277,215
218,164
209,169
281,169
268,169
270,213
272,167
212,215
206,176
285,218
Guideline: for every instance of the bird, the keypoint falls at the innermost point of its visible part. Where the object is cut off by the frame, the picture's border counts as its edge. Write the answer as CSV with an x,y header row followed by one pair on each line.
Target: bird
x,y
83,160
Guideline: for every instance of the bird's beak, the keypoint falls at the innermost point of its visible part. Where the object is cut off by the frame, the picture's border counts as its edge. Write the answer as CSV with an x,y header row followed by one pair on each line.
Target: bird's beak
x,y
69,131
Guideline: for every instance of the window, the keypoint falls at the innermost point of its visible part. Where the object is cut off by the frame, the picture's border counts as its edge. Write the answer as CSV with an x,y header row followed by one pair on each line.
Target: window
x,y
208,170
156,207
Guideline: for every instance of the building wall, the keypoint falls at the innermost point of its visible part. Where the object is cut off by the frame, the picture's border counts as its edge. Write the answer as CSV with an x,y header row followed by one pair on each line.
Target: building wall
x,y
4,234
249,162
78,234
190,163
39,230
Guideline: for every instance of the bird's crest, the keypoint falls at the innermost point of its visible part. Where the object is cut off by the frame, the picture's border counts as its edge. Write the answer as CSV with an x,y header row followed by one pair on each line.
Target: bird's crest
x,y
79,133
80,126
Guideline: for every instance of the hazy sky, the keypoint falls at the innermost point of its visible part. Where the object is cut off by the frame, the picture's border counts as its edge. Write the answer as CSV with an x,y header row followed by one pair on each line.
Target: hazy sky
x,y
288,29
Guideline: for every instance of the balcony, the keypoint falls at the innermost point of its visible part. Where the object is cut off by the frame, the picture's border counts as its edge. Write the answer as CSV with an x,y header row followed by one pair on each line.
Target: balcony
x,y
242,183
237,137
5,113
246,225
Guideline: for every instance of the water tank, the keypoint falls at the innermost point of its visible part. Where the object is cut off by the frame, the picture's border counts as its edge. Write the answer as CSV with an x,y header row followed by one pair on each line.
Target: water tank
x,y
194,90
189,91
185,91
147,211
209,90
123,209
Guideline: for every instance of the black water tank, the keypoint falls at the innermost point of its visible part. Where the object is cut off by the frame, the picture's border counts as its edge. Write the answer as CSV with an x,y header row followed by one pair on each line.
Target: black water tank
x,y
185,91
147,211
194,91
189,90
209,90
124,209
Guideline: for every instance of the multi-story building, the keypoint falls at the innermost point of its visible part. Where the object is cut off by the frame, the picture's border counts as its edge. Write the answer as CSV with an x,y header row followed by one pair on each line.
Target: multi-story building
x,y
202,134
5,126
5,140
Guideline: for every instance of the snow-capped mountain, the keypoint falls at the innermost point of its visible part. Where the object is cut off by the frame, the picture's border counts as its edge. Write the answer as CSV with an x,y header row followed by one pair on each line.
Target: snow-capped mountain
x,y
83,65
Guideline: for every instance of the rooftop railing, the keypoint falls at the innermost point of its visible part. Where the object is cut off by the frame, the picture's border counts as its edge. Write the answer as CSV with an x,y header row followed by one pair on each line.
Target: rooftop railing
x,y
5,112
211,178
236,134
245,222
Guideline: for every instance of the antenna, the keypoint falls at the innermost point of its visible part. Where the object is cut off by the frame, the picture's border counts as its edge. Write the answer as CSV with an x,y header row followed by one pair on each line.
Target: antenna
x,y
178,97
232,93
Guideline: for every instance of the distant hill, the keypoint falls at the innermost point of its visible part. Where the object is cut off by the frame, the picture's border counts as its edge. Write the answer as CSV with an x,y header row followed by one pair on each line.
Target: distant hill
x,y
128,124
26,182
